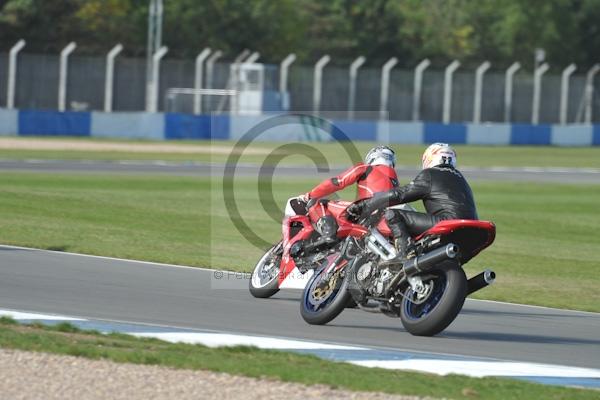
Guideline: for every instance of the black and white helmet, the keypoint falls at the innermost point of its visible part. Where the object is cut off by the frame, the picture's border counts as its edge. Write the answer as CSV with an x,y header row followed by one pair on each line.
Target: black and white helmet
x,y
381,155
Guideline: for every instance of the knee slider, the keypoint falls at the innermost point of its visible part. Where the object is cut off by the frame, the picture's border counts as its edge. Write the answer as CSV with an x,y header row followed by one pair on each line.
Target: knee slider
x,y
327,225
391,215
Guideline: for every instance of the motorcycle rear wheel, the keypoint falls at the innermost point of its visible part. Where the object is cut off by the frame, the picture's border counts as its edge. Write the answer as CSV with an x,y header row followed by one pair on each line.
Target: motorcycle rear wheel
x,y
430,316
264,281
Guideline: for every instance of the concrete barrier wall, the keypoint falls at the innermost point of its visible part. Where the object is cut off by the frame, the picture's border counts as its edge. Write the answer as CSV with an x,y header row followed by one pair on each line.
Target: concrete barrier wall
x,y
9,122
159,126
128,125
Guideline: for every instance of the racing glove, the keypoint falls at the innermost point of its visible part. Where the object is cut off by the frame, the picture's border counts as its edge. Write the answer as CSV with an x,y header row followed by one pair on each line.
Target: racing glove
x,y
355,211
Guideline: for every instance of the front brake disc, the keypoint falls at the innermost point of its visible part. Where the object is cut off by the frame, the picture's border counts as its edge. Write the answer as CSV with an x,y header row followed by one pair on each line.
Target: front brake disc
x,y
321,292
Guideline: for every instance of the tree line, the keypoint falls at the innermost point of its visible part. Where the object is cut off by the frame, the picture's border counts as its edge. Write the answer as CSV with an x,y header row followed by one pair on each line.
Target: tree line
x,y
501,31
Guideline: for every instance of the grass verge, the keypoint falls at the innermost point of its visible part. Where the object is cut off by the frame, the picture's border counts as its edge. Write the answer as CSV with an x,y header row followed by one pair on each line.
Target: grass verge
x,y
69,340
544,252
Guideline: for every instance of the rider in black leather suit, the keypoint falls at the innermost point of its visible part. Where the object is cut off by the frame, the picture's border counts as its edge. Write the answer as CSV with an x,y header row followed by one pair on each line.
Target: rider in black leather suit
x,y
443,189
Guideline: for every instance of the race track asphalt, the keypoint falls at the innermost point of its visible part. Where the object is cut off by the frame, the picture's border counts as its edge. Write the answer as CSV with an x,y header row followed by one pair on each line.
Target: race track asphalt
x,y
100,288
525,174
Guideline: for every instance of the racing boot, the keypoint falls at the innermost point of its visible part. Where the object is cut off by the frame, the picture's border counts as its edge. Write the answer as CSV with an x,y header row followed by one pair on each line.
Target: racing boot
x,y
402,240
327,227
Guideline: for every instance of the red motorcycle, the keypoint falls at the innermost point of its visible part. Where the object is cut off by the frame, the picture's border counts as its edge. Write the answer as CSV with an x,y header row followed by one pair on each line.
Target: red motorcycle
x,y
285,265
290,263
427,290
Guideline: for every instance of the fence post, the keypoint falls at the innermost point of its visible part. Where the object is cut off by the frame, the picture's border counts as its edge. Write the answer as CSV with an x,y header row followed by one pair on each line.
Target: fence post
x,y
156,58
317,81
63,75
283,72
240,57
210,66
12,73
352,75
537,86
385,86
589,92
198,79
564,92
448,90
418,88
110,74
508,89
154,37
478,89
253,58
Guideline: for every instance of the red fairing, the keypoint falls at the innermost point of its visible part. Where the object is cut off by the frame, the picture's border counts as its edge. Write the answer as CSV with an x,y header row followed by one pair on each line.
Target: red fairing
x,y
371,179
346,228
473,243
450,225
287,263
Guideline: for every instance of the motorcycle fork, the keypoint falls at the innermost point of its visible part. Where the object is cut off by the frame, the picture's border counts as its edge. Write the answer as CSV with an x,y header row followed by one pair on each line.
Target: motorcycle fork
x,y
341,261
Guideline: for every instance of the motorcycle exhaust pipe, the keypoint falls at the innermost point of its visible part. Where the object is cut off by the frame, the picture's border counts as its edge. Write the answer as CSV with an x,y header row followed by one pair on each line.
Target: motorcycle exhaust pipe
x,y
424,262
430,260
480,281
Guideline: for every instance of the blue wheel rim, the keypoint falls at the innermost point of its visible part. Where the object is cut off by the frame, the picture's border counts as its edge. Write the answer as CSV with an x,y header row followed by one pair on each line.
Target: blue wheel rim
x,y
417,311
306,300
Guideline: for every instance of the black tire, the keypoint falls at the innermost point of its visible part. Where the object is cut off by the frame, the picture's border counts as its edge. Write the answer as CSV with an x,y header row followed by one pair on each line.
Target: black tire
x,y
453,282
331,307
266,289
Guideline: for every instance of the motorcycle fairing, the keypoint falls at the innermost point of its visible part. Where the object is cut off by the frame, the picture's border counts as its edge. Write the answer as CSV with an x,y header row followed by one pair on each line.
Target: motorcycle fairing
x,y
471,236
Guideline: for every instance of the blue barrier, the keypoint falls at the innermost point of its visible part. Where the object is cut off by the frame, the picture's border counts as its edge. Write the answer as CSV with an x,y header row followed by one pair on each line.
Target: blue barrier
x,y
522,134
54,123
355,130
185,126
446,133
224,127
596,136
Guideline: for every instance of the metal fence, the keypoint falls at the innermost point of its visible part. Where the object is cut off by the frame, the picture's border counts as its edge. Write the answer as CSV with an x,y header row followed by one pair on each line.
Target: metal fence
x,y
37,87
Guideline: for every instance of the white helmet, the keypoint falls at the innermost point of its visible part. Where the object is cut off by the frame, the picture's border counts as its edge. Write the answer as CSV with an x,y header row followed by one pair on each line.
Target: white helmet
x,y
381,155
438,154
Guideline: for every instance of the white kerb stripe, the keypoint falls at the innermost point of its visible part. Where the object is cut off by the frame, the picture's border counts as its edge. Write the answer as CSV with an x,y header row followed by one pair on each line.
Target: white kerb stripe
x,y
220,339
483,368
20,316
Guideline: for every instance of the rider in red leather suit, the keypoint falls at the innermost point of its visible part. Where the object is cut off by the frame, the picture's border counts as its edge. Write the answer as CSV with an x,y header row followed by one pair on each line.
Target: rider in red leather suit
x,y
375,175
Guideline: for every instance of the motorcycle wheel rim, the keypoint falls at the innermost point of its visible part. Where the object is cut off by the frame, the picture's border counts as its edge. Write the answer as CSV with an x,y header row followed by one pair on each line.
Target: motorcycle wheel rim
x,y
416,311
266,271
316,306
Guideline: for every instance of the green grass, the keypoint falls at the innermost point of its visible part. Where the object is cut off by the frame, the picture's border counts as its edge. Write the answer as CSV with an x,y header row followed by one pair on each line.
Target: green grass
x,y
289,367
476,156
546,251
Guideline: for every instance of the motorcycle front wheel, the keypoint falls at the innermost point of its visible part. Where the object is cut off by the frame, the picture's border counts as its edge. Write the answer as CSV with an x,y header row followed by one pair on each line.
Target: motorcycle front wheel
x,y
324,298
429,313
264,281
